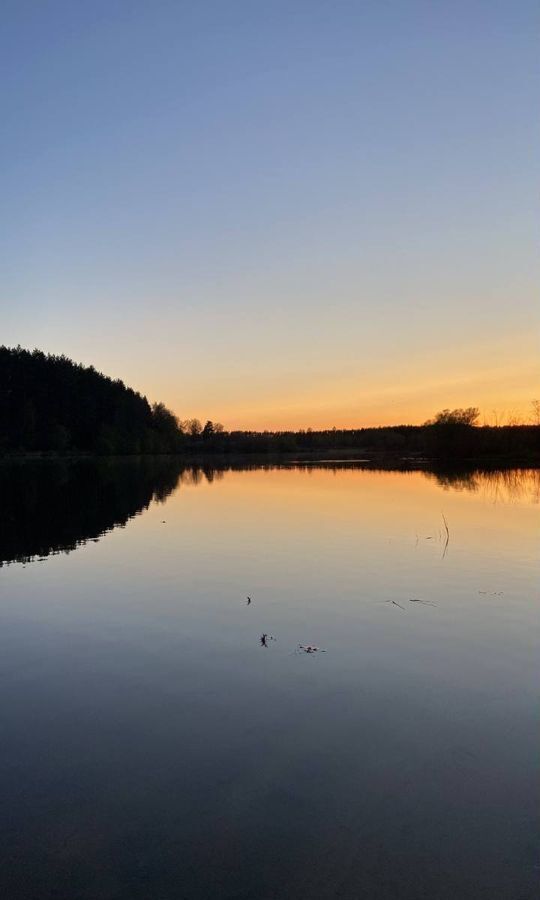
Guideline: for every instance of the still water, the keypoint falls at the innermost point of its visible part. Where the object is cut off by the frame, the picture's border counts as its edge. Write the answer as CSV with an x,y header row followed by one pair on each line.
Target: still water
x,y
152,747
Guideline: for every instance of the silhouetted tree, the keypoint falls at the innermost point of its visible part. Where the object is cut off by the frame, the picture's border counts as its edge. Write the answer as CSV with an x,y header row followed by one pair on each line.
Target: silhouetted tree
x,y
166,427
194,427
466,416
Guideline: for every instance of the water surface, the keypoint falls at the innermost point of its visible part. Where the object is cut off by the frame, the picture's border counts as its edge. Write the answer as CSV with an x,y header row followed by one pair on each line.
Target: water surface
x,y
153,748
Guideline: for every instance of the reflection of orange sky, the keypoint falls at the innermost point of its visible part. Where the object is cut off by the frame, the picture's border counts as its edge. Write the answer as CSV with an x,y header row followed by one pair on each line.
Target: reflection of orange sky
x,y
298,538
340,507
391,492
351,504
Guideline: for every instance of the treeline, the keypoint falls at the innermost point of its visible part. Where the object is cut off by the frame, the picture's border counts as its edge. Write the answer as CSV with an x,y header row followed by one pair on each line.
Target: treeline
x,y
51,405
445,442
450,435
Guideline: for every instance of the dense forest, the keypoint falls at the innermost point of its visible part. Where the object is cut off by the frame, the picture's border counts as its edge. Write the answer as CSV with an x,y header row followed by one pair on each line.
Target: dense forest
x,y
51,405
451,441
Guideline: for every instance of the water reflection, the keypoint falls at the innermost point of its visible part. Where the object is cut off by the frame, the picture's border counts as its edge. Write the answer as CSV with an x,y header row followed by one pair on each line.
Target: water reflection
x,y
345,734
53,507
50,507
498,485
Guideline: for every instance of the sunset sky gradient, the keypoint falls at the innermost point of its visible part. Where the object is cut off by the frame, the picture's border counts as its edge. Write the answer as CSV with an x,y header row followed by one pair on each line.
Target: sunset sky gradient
x,y
282,214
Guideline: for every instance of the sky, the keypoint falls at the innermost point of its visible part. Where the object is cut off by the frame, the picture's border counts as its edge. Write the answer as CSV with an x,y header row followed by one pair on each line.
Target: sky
x,y
309,213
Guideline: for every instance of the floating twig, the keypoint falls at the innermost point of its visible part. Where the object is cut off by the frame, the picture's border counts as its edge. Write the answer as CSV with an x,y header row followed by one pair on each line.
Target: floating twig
x,y
447,535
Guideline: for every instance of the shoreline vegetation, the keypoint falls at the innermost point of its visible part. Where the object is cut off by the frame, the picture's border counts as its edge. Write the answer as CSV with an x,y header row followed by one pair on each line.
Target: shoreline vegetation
x,y
51,407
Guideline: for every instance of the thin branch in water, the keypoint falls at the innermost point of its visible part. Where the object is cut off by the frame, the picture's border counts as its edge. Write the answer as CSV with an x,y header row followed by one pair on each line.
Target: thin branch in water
x,y
391,601
447,535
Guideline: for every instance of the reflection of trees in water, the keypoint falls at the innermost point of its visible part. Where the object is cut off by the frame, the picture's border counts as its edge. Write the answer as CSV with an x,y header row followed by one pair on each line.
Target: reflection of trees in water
x,y
497,485
51,507
194,474
54,506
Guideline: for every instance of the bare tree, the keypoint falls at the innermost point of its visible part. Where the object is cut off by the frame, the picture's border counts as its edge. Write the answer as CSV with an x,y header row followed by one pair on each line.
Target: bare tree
x,y
194,427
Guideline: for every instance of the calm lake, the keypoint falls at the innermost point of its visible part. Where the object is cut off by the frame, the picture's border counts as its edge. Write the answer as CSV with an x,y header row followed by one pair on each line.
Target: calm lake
x,y
153,746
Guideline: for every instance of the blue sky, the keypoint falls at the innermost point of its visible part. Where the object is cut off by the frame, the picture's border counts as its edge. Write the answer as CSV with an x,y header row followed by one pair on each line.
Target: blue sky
x,y
299,213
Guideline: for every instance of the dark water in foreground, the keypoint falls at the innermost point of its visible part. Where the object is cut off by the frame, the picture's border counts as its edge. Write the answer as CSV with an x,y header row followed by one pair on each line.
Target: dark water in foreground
x,y
153,748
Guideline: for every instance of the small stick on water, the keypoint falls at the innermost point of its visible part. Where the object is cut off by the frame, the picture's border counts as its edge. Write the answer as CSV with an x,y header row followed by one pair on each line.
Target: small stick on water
x,y
446,526
390,601
447,535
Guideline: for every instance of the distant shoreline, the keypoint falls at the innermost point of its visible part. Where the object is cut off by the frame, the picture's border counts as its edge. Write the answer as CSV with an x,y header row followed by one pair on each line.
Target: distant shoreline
x,y
338,456
52,407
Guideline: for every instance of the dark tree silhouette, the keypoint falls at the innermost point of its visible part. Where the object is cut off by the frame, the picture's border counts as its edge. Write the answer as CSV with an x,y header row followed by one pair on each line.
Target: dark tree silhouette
x,y
468,416
49,404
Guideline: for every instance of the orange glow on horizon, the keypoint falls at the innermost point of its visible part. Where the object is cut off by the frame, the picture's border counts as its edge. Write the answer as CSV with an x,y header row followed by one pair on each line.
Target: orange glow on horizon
x,y
406,385
501,401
